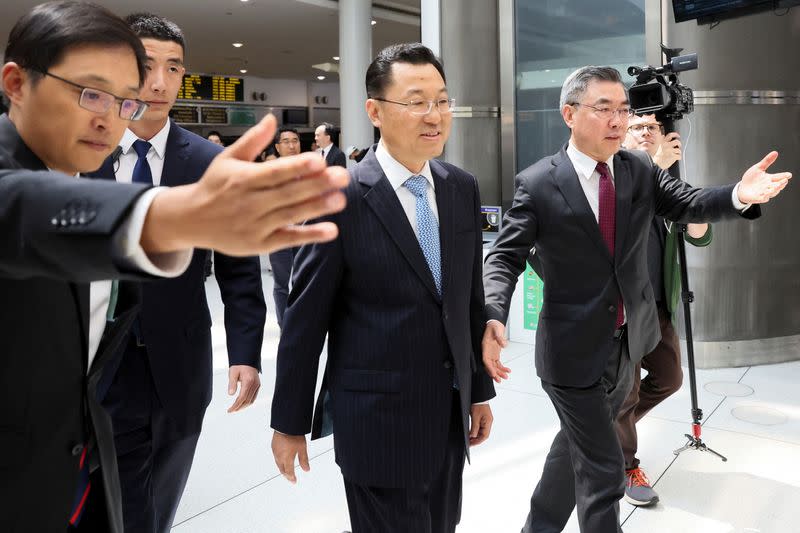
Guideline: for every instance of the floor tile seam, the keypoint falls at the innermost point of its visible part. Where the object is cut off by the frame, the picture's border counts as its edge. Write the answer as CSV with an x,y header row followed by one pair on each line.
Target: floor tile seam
x,y
245,491
507,389
755,436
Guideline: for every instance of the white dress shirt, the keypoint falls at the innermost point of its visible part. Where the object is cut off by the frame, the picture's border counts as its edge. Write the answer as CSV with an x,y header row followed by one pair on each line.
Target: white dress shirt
x,y
397,174
127,249
325,151
155,156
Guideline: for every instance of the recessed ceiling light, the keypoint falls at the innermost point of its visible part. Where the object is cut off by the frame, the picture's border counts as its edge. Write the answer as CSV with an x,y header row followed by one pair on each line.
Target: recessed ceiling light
x,y
244,0
243,70
238,45
320,78
336,58
373,22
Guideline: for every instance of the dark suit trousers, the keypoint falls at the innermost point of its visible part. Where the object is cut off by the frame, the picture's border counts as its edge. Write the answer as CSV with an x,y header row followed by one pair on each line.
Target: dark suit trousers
x,y
434,508
281,262
664,377
584,466
154,455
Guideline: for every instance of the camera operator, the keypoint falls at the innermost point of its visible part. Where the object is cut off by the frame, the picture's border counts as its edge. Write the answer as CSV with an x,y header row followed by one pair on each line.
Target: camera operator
x,y
663,364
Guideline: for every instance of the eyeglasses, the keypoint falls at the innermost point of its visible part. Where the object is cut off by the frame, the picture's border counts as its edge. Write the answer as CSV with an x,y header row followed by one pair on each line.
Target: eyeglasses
x,y
420,108
606,113
639,129
287,142
98,101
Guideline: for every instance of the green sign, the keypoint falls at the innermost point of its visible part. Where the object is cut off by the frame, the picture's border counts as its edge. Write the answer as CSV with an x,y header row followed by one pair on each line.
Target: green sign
x,y
532,299
242,117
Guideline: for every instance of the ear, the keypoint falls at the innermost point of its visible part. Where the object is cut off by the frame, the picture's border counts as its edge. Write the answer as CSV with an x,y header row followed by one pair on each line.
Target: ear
x,y
13,82
568,114
373,112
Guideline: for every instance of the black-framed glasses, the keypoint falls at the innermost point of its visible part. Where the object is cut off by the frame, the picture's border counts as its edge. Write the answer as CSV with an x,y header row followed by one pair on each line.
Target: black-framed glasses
x,y
606,113
98,101
421,108
639,129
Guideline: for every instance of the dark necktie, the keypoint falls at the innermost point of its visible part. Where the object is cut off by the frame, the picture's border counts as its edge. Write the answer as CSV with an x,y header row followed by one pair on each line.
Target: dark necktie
x,y
607,218
141,171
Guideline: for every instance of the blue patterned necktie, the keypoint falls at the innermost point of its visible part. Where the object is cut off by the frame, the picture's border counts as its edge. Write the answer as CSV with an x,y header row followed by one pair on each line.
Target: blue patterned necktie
x,y
141,171
427,228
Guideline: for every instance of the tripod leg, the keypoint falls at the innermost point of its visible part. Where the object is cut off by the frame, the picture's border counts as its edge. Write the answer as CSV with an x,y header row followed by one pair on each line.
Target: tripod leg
x,y
707,449
685,447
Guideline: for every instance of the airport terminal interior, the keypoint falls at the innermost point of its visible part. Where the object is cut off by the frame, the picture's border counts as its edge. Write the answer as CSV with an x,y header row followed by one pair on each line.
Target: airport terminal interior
x,y
304,62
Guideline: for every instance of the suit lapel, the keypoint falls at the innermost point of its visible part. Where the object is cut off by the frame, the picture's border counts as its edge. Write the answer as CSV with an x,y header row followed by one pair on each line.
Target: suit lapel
x,y
623,187
445,200
382,199
566,179
28,160
176,157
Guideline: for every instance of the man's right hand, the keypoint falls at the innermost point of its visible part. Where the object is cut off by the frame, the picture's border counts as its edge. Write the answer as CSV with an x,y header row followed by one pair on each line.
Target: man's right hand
x,y
669,151
494,340
284,449
243,208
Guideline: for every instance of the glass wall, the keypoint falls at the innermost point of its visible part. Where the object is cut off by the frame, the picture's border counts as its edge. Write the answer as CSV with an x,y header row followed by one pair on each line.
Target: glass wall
x,y
552,39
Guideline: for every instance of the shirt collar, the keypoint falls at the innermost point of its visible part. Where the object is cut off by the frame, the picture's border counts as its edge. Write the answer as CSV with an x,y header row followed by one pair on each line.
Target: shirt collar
x,y
327,150
395,172
584,165
158,142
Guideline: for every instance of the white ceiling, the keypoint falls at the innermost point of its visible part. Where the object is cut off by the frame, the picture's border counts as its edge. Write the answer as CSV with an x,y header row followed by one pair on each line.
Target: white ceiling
x,y
282,38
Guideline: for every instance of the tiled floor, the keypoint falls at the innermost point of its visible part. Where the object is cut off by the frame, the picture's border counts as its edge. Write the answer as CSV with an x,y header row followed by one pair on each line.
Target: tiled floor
x,y
235,488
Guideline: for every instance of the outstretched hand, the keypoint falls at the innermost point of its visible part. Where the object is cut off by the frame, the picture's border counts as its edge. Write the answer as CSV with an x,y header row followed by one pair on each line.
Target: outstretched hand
x,y
759,186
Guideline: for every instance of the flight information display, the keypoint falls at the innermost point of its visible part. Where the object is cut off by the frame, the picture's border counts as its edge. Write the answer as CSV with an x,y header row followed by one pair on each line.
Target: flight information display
x,y
214,88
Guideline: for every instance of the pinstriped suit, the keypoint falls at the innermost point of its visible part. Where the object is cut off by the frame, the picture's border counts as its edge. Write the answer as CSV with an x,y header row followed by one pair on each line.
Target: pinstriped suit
x,y
393,343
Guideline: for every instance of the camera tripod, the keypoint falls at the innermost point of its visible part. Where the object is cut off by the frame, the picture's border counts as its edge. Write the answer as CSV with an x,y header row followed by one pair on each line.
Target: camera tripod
x,y
695,441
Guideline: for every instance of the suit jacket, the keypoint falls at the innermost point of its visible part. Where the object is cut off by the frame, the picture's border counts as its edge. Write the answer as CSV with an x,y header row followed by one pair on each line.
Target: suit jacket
x,y
174,319
393,343
583,282
336,157
55,237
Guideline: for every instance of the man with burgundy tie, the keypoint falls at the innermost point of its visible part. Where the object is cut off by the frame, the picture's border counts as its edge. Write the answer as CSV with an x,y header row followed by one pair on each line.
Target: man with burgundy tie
x,y
400,298
158,390
587,210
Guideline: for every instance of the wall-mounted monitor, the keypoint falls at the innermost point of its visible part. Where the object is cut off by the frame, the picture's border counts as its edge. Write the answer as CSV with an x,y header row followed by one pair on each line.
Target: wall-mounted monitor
x,y
295,117
706,11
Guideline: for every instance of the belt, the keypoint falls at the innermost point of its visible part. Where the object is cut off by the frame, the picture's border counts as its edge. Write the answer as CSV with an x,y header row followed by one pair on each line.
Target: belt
x,y
620,331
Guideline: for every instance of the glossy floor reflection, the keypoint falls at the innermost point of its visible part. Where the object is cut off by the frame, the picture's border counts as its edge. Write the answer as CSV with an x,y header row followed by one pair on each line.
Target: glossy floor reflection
x,y
235,487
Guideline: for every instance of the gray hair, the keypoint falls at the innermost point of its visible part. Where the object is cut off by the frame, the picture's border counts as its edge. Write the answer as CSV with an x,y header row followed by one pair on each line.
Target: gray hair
x,y
576,83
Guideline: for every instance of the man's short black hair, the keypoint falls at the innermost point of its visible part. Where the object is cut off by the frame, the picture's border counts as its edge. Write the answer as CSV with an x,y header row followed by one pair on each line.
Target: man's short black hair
x,y
44,34
150,26
284,129
213,132
379,73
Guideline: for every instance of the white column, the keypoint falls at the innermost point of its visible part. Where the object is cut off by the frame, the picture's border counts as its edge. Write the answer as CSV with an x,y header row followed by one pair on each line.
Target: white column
x,y
430,25
355,55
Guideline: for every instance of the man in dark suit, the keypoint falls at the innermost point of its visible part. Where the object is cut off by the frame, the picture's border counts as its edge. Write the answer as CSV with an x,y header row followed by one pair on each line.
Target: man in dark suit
x,y
587,210
323,136
400,297
158,391
287,143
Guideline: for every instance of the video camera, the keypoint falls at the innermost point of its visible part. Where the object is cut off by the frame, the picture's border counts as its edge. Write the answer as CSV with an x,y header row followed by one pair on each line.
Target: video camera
x,y
657,89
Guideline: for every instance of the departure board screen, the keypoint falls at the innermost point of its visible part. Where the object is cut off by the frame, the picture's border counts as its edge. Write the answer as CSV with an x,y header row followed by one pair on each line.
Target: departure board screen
x,y
214,88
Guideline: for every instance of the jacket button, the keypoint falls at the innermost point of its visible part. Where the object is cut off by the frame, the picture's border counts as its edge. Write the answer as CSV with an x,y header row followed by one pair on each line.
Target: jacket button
x,y
448,365
612,308
77,450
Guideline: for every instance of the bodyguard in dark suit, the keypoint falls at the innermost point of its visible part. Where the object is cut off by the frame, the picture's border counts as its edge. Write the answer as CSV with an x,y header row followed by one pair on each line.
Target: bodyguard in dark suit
x,y
587,210
158,392
399,296
324,137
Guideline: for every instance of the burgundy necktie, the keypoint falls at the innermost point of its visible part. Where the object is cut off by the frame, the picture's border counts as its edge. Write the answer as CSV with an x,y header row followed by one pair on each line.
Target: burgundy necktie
x,y
607,218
